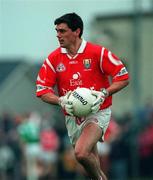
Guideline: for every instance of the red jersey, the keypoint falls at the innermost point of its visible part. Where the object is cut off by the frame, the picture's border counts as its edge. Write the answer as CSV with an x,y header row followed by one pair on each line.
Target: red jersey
x,y
91,67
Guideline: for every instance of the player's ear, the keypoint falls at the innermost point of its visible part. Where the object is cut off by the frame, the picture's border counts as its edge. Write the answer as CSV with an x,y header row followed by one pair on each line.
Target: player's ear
x,y
78,32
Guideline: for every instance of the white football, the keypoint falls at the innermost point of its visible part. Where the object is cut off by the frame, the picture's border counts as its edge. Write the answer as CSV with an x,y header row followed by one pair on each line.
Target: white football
x,y
82,99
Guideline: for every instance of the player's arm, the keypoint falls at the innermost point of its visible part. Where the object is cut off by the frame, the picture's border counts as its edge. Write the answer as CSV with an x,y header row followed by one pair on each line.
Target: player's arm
x,y
63,101
117,86
104,93
112,66
45,83
50,98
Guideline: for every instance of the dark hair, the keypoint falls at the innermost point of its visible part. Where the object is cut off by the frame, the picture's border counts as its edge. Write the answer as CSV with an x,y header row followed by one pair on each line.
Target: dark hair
x,y
72,20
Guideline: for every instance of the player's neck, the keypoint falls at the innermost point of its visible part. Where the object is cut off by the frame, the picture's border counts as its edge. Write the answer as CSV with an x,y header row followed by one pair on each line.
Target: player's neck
x,y
73,49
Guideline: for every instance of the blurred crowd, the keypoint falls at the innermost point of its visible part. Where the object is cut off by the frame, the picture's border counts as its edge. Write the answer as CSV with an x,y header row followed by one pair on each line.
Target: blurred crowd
x,y
36,147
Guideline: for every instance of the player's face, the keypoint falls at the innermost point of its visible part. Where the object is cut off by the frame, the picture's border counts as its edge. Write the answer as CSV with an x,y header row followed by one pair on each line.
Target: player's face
x,y
65,35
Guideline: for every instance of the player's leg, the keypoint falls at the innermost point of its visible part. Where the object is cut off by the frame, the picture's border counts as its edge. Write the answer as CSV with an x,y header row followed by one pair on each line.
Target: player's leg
x,y
86,153
95,151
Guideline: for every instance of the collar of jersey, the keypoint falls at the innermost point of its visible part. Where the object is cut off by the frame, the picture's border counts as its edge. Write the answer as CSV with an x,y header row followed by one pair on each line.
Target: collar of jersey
x,y
80,50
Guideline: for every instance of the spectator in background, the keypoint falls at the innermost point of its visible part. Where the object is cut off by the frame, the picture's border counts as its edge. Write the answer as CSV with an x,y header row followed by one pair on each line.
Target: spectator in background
x,y
104,149
10,150
29,131
120,151
145,143
7,123
48,157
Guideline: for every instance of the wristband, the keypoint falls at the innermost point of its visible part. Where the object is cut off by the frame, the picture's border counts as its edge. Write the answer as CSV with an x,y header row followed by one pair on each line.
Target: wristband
x,y
105,92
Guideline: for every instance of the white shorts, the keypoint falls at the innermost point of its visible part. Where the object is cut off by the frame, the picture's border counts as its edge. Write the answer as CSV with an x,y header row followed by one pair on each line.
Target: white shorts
x,y
75,125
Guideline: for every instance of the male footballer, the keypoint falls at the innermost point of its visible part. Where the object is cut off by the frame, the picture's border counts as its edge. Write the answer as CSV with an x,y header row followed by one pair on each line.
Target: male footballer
x,y
78,63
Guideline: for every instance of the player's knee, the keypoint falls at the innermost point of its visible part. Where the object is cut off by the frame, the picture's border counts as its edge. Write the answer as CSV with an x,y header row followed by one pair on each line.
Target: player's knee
x,y
81,155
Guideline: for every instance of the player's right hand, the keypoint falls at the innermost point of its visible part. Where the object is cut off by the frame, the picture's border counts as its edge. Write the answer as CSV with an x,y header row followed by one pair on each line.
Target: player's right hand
x,y
100,98
66,104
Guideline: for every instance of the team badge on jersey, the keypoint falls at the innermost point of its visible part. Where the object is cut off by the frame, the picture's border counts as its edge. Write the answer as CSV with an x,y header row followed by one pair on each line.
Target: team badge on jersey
x,y
87,63
60,67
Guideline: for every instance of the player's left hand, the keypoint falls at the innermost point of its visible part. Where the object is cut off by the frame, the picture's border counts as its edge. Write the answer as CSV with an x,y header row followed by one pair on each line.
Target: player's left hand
x,y
69,108
100,98
66,104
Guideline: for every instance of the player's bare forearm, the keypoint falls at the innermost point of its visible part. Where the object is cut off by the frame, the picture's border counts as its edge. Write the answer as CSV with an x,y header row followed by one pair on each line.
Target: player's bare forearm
x,y
117,86
50,98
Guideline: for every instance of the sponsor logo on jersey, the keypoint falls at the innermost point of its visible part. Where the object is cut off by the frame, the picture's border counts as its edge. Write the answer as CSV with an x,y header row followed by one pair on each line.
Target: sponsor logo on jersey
x,y
76,79
40,88
122,72
73,62
87,63
60,67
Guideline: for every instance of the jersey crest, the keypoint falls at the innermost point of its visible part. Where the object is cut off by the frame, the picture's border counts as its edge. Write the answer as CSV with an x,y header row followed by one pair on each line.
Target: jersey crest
x,y
87,63
60,67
